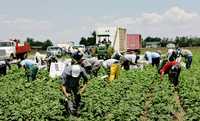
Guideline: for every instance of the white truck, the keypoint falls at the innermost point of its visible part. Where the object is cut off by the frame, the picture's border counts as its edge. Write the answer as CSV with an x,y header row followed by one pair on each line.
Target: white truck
x,y
13,49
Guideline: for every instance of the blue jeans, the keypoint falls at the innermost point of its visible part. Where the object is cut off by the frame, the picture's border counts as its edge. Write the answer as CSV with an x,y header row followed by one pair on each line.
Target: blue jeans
x,y
188,61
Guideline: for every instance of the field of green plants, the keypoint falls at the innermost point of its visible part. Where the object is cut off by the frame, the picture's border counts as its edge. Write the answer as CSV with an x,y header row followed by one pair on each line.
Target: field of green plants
x,y
136,95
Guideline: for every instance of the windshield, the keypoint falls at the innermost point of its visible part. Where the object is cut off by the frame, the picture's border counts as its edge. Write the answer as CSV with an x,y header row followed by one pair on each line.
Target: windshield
x,y
5,44
53,48
78,46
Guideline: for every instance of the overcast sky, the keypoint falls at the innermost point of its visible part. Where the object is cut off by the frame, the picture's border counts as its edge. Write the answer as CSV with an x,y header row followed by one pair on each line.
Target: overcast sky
x,y
62,20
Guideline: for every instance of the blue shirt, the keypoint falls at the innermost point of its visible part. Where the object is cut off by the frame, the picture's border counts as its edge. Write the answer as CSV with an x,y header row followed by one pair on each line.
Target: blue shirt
x,y
151,55
28,63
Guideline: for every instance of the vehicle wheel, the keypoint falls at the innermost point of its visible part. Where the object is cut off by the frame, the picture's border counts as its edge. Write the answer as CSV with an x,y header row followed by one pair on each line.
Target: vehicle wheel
x,y
25,55
11,57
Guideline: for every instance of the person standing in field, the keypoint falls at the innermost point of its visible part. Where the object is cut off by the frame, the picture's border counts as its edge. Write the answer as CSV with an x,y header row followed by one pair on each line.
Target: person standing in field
x,y
3,68
187,54
153,58
51,59
71,86
172,68
30,67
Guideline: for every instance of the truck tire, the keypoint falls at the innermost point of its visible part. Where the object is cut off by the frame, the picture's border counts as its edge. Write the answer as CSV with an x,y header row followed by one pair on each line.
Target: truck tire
x,y
25,55
11,57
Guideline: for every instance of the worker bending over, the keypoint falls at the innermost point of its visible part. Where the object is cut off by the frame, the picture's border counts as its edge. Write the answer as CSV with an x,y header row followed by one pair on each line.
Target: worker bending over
x,y
30,67
172,54
187,54
172,68
153,58
130,58
91,65
112,68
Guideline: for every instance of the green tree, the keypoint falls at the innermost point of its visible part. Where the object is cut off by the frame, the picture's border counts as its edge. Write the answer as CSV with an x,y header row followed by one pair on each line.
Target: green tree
x,y
89,41
83,41
30,40
46,44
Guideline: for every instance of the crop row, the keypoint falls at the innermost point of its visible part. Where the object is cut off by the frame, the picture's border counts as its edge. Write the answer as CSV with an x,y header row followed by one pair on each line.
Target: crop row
x,y
189,89
22,100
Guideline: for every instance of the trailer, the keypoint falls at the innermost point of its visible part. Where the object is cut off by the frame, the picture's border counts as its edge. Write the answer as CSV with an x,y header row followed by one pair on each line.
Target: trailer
x,y
134,42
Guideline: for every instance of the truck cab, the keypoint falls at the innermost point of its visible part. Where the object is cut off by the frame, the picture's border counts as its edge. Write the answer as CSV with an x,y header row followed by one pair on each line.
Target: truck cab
x,y
7,50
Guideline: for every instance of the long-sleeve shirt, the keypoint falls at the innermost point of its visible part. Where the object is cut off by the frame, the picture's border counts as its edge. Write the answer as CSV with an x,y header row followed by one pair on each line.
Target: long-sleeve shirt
x,y
95,63
130,57
186,52
165,69
109,62
151,55
28,63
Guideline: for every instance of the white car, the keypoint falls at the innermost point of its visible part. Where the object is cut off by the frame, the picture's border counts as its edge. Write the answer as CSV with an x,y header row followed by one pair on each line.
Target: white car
x,y
54,51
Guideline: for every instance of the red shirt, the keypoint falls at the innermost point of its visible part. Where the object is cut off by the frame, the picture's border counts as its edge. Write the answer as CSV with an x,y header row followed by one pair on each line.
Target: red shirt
x,y
168,66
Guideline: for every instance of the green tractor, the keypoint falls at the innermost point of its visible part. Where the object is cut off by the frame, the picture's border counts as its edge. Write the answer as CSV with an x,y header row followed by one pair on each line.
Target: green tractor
x,y
104,51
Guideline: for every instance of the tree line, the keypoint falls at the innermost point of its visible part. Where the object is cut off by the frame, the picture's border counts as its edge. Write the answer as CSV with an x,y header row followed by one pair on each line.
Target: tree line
x,y
88,41
183,41
41,44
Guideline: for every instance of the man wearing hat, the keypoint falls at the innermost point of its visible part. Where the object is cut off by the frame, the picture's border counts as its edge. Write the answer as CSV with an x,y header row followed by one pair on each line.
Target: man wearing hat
x,y
71,85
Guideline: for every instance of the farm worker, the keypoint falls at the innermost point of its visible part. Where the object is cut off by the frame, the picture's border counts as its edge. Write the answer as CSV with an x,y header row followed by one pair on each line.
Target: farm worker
x,y
71,85
77,55
130,58
91,65
51,59
39,58
187,54
172,54
30,67
3,67
116,55
110,51
172,68
96,65
86,65
112,68
153,58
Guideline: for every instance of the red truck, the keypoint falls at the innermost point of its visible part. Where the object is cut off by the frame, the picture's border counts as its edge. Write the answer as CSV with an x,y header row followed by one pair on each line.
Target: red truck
x,y
134,41
13,49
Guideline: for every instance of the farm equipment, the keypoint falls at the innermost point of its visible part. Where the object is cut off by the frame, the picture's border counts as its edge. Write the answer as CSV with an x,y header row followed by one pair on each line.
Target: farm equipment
x,y
104,51
110,40
134,42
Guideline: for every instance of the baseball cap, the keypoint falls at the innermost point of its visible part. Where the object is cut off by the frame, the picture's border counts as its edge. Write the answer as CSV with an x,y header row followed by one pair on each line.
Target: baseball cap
x,y
76,70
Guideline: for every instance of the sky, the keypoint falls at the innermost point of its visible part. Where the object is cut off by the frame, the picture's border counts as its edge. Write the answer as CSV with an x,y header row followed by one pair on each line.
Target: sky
x,y
69,20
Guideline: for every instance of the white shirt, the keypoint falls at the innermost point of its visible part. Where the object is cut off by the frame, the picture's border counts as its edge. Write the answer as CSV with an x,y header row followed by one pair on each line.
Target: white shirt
x,y
109,62
130,57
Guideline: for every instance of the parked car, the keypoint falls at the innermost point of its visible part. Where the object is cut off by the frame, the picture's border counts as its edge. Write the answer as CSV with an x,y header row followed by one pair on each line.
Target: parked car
x,y
54,51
